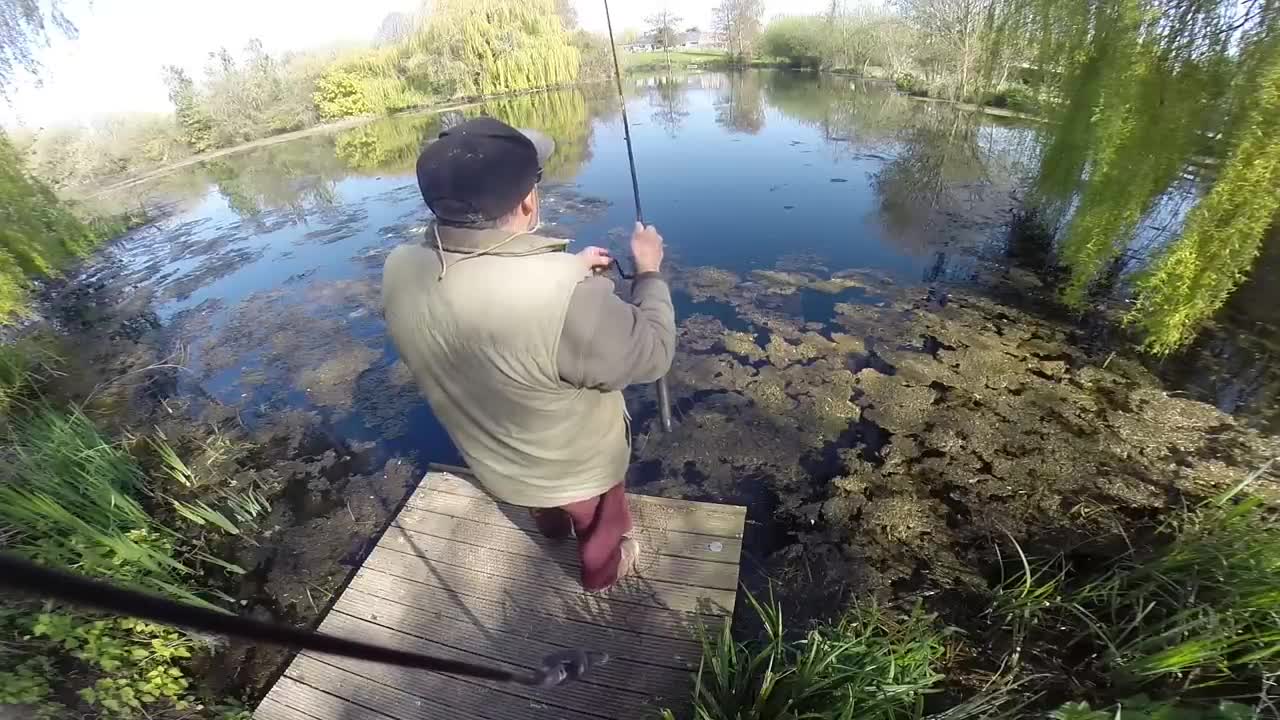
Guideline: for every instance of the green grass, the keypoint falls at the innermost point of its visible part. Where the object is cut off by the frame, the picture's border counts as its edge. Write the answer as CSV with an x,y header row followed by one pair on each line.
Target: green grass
x,y
678,58
1197,608
39,234
1183,626
872,665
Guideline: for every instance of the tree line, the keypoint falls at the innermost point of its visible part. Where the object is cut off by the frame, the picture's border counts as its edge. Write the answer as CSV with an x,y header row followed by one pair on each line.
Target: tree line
x,y
456,49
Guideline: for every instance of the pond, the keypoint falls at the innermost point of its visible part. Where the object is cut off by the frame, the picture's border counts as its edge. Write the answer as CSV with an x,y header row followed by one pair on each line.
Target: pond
x,y
867,360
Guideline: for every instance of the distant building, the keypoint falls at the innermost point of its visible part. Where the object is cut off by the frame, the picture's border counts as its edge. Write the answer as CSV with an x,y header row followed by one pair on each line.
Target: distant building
x,y
691,39
695,39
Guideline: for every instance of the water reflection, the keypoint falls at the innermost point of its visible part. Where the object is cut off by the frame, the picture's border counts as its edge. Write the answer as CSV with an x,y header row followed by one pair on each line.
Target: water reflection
x,y
816,378
389,146
294,178
740,106
668,96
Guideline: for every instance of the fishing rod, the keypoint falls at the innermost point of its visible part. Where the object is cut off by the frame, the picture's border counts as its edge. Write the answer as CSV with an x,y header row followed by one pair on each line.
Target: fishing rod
x,y
25,576
664,395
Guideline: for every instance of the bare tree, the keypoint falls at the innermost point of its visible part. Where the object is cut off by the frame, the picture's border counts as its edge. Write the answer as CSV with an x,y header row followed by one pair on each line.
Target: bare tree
x,y
663,27
568,14
24,27
396,26
738,25
949,36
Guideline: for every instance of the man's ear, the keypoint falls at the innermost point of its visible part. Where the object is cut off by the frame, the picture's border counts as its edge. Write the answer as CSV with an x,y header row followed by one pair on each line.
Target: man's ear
x,y
529,205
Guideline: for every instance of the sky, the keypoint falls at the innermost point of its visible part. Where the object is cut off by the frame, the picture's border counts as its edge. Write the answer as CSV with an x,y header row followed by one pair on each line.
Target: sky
x,y
113,66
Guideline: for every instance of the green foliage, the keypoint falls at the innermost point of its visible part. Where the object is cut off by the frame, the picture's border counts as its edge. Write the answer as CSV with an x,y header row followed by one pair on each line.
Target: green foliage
x,y
1142,92
339,94
28,683
490,47
797,40
104,149
870,664
910,84
24,365
1199,609
71,499
138,660
1143,708
1017,97
595,60
196,125
1223,233
256,96
39,234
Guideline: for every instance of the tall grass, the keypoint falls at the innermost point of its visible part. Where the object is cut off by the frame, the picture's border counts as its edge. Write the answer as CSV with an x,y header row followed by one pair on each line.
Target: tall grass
x,y
71,499
1197,608
870,665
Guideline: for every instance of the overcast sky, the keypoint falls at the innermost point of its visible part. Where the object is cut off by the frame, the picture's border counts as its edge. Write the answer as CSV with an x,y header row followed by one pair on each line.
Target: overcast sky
x,y
114,64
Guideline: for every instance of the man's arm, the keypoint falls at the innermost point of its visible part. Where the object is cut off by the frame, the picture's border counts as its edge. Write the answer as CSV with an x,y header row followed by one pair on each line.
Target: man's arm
x,y
608,343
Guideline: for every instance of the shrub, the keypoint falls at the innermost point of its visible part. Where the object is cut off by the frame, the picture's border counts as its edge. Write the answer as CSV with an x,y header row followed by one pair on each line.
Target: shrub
x,y
38,233
798,41
1018,98
910,84
339,94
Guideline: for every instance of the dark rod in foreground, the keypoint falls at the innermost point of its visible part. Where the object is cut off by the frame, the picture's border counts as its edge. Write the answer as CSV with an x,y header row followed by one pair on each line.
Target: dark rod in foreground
x,y
664,396
25,576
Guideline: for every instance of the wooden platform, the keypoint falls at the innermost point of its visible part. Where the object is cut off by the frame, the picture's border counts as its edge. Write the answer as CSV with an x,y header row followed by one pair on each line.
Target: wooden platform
x,y
462,576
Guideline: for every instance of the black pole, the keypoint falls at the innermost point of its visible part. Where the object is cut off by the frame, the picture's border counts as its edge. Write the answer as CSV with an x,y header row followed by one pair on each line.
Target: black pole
x,y
664,396
25,576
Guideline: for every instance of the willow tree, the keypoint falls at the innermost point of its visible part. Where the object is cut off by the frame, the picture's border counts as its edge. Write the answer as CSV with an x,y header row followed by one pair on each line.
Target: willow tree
x,y
491,47
1156,100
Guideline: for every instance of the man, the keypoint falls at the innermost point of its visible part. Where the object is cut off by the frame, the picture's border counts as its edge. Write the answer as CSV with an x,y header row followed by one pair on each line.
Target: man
x,y
521,348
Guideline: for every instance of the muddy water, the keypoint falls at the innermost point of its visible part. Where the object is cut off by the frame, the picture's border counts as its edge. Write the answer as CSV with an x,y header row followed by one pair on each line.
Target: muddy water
x,y
864,359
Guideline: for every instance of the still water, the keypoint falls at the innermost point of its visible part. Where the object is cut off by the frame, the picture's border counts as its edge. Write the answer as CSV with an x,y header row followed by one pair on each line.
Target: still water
x,y
738,171
864,358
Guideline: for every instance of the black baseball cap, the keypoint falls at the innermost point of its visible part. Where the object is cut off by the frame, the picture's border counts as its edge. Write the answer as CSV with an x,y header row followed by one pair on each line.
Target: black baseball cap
x,y
480,170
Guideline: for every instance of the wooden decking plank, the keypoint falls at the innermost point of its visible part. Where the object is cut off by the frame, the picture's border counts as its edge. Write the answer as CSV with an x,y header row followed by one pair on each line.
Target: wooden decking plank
x,y
644,643
502,571
620,673
577,605
452,532
653,512
578,697
687,546
458,485
459,575
404,693
320,704
271,709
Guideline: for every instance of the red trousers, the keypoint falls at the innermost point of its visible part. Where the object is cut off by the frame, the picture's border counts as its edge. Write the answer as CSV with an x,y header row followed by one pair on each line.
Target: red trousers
x,y
599,523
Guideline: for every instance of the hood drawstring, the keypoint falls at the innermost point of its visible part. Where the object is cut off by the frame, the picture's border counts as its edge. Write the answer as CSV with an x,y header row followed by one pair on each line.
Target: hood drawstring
x,y
444,265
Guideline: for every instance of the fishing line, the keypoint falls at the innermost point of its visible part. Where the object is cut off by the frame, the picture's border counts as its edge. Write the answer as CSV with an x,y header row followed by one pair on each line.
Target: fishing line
x,y
664,395
25,576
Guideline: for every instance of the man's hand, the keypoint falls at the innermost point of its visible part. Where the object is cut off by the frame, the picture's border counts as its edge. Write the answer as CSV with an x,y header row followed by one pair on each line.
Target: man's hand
x,y
646,248
596,258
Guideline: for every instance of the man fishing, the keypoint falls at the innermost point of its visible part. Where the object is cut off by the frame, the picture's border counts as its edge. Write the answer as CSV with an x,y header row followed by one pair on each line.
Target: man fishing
x,y
521,348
